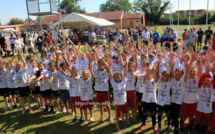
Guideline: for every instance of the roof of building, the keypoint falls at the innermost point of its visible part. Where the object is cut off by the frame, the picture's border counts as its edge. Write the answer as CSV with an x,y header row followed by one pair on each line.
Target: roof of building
x,y
114,15
10,26
132,16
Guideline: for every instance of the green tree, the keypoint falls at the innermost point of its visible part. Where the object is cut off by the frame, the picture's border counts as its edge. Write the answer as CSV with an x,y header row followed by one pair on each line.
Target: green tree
x,y
116,5
13,21
201,19
153,9
69,6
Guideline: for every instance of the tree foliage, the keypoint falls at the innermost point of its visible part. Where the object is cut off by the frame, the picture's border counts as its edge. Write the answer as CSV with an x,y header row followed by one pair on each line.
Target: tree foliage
x,y
69,6
201,19
116,5
153,9
14,21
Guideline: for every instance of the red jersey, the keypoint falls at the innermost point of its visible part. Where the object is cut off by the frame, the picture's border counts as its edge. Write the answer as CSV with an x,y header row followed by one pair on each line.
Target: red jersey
x,y
48,40
213,43
184,36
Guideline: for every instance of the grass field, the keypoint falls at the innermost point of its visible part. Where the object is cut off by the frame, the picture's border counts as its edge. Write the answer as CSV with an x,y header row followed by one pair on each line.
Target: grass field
x,y
11,121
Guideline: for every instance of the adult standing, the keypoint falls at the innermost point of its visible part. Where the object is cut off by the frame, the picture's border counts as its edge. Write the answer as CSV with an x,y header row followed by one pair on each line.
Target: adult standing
x,y
110,35
208,34
12,42
145,36
40,42
125,37
2,40
156,37
19,45
129,30
192,37
164,37
86,35
173,36
184,36
30,44
92,35
212,42
200,36
150,32
23,36
135,36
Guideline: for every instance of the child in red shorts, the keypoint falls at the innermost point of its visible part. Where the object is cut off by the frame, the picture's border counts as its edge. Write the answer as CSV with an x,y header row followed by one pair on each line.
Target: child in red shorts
x,y
119,82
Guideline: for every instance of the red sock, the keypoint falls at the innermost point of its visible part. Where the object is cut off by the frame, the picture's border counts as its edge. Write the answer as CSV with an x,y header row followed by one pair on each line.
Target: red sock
x,y
181,124
207,131
190,123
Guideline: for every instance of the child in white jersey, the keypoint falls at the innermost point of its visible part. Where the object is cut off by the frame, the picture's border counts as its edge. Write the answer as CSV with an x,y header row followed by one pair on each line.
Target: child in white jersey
x,y
191,90
177,92
101,87
54,81
149,98
120,98
204,104
74,90
21,83
163,103
45,87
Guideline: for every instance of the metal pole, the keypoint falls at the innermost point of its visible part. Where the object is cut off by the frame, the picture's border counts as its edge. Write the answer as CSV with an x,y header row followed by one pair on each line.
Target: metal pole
x,y
178,15
189,14
28,16
170,15
207,14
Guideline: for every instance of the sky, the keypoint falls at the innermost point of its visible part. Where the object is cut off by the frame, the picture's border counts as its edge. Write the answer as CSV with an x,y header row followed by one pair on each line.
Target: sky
x,y
17,8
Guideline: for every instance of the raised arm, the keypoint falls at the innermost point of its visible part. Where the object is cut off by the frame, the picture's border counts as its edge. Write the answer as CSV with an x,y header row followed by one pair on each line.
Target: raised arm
x,y
110,70
23,60
126,68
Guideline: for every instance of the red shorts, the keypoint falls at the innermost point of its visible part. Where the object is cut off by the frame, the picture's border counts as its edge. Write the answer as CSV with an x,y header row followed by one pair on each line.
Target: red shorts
x,y
76,100
213,122
87,104
131,98
188,109
121,108
205,116
102,98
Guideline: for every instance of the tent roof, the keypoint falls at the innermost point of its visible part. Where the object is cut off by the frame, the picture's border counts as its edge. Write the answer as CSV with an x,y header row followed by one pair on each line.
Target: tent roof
x,y
76,17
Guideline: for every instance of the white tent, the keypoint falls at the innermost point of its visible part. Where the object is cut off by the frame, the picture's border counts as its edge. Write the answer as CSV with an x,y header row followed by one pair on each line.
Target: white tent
x,y
76,17
8,30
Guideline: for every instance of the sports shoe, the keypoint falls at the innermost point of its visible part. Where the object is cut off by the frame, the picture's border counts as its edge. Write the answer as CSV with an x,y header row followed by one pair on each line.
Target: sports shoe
x,y
142,127
20,107
15,106
101,119
155,129
159,130
64,110
37,107
110,119
170,128
43,107
75,119
5,107
57,111
11,106
81,119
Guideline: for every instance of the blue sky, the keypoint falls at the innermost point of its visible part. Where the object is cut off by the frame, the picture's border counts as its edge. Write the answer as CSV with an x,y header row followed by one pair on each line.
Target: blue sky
x,y
17,8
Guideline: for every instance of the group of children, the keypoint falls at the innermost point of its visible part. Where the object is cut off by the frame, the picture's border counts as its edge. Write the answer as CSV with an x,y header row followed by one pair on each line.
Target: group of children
x,y
184,80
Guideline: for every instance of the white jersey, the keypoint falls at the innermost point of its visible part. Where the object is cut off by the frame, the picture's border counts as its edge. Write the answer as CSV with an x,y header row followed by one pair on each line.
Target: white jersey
x,y
82,65
63,81
3,80
11,77
116,67
177,91
205,99
101,80
149,94
191,91
55,80
74,88
32,72
119,91
86,89
140,85
44,82
130,82
21,78
164,93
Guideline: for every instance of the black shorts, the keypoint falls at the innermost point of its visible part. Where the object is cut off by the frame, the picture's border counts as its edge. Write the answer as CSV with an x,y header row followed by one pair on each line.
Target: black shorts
x,y
47,93
149,107
56,93
12,91
139,96
4,92
64,95
154,42
165,108
24,91
36,90
146,42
